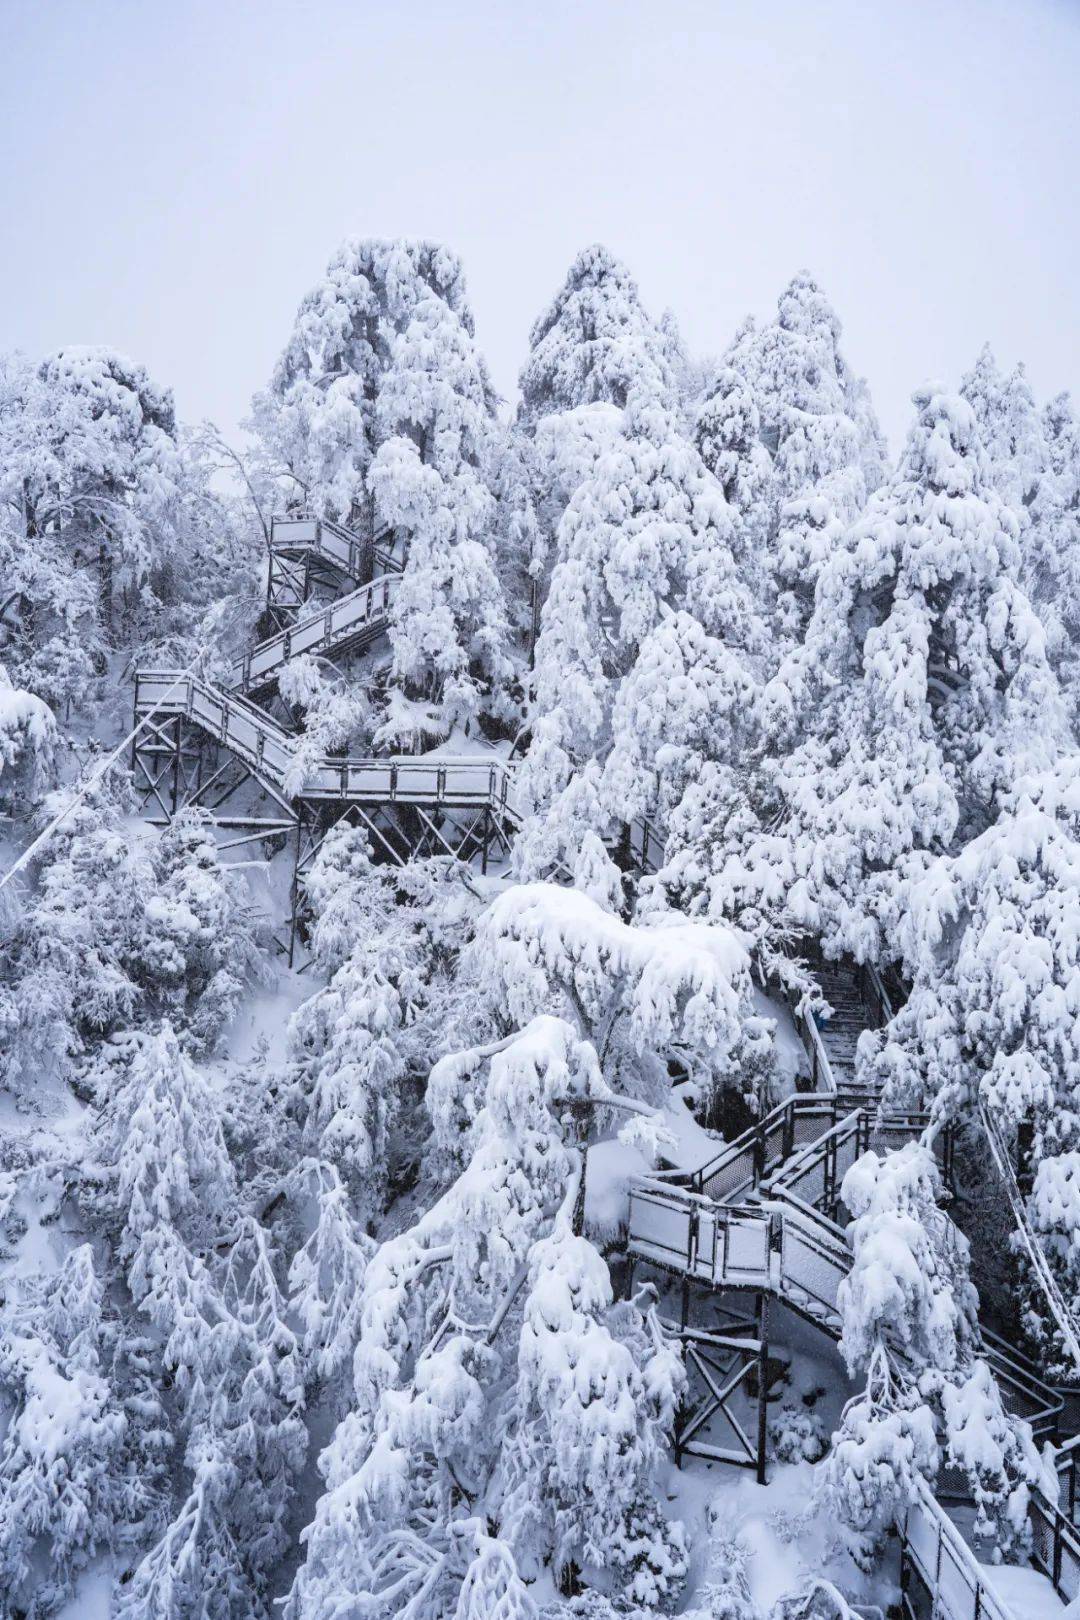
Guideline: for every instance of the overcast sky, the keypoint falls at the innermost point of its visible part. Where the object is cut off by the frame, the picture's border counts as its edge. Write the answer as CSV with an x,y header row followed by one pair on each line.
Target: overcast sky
x,y
175,176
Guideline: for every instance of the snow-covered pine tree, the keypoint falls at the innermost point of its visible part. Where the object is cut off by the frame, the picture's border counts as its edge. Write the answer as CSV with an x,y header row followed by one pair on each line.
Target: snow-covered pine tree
x,y
380,412
121,930
61,1498
921,695
648,532
28,741
1054,552
163,1166
492,1588
107,519
589,351
594,1406
388,940
316,417
984,388
727,435
638,992
910,1324
594,343
436,1326
1035,465
200,946
991,945
72,959
431,481
327,1272
818,424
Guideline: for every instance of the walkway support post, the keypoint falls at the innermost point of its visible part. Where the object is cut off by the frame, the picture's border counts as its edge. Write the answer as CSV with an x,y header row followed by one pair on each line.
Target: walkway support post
x,y
763,1382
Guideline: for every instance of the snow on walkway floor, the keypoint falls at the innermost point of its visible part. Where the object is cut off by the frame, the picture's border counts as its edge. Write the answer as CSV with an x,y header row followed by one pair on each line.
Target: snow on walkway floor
x,y
1028,1594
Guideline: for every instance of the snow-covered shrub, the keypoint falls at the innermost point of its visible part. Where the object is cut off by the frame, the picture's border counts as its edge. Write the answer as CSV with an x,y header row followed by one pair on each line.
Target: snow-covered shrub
x,y
796,1433
201,943
27,743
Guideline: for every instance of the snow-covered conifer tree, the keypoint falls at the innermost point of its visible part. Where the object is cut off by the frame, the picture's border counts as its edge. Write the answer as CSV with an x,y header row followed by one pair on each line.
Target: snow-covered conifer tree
x,y
593,1411
200,944
430,480
727,434
593,343
818,424
639,992
910,1323
72,963
647,532
380,412
387,940
60,1498
164,1162
991,943
27,743
921,694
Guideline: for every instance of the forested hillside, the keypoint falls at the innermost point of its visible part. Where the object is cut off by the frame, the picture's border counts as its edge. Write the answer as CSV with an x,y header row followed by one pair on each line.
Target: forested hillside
x,y
647,763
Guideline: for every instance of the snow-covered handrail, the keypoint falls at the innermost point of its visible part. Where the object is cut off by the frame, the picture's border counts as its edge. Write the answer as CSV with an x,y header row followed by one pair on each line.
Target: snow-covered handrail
x,y
270,753
339,624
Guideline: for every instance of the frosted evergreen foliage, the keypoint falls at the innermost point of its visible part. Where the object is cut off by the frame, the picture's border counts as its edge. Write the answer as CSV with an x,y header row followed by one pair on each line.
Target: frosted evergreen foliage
x,y
380,413
123,930
648,530
59,1494
817,422
923,690
594,343
27,743
727,434
640,992
109,529
595,1405
909,1316
317,415
992,943
161,1147
354,1044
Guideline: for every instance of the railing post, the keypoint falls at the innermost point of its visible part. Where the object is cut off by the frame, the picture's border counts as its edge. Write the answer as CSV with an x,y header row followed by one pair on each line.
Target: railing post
x,y
763,1379
759,1154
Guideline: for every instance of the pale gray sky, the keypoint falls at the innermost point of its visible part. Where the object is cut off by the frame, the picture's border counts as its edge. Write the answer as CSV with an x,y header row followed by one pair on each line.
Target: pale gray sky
x,y
175,175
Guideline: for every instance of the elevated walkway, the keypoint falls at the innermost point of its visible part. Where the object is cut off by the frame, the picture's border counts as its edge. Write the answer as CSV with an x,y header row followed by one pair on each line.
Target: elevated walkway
x,y
764,1218
214,746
